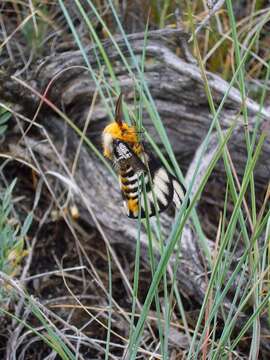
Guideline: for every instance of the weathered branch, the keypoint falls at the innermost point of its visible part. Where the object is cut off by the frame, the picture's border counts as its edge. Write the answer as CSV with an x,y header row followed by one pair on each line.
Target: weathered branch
x,y
178,91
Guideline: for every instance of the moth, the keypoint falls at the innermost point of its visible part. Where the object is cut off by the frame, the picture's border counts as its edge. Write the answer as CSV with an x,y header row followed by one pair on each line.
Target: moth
x,y
121,145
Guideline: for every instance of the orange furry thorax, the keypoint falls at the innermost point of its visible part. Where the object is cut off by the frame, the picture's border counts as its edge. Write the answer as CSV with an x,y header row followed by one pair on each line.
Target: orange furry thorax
x,y
122,132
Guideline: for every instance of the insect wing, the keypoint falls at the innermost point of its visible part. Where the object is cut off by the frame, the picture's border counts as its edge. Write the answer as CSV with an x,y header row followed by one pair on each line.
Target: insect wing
x,y
179,192
125,157
162,190
161,187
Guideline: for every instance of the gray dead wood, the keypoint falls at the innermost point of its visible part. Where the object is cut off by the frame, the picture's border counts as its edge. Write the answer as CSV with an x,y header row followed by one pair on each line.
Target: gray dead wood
x,y
178,91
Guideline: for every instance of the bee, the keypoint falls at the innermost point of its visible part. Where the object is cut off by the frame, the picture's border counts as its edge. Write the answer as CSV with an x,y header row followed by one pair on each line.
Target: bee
x,y
121,145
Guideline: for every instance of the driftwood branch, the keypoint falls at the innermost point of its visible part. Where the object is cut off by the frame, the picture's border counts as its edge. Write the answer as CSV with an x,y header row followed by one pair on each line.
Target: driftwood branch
x,y
178,91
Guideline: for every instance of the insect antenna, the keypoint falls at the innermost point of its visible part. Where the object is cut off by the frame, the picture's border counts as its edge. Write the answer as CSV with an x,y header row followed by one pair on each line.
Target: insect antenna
x,y
118,110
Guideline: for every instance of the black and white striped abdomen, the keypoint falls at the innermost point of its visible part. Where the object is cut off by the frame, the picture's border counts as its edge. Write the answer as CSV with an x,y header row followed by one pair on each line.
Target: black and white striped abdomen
x,y
129,184
161,189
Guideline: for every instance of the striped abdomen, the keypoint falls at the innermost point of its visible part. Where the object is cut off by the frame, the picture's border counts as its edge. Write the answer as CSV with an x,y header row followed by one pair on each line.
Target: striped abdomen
x,y
129,185
161,188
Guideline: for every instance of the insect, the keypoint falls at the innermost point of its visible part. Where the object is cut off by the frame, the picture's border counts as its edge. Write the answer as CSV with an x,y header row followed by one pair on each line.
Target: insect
x,y
121,145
